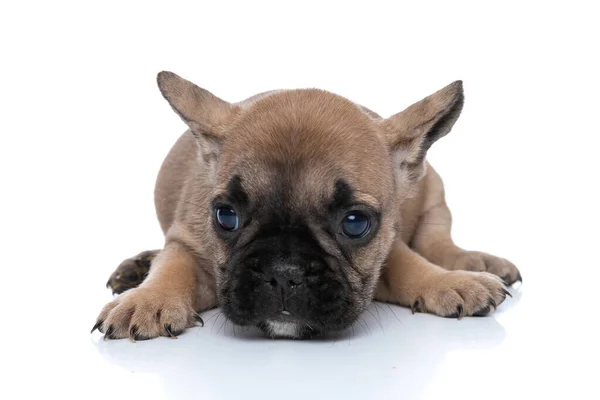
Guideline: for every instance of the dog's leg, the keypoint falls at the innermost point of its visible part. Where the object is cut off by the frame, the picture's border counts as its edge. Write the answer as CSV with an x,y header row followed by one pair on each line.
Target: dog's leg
x,y
167,301
131,272
410,280
433,241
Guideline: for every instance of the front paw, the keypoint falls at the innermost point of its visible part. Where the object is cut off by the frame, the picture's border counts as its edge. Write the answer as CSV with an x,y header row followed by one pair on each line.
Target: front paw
x,y
146,313
455,294
479,261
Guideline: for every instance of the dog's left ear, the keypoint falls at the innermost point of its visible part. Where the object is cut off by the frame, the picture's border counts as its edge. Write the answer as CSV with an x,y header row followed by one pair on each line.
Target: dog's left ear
x,y
411,133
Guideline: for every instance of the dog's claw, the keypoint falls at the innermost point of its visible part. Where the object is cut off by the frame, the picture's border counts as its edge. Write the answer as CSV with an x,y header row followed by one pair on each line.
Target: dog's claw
x,y
169,331
200,320
109,332
519,278
416,307
97,325
133,333
506,292
493,304
461,311
483,312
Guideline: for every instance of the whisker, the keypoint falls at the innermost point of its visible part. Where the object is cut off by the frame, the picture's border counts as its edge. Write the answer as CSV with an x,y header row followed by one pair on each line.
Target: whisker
x,y
218,313
367,326
378,317
363,324
375,318
392,310
223,325
217,320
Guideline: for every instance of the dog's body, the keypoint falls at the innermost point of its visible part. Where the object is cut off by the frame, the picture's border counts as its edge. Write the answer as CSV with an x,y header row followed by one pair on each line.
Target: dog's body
x,y
294,209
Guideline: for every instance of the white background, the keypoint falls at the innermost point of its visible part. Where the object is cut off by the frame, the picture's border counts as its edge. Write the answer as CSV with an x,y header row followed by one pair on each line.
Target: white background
x,y
83,130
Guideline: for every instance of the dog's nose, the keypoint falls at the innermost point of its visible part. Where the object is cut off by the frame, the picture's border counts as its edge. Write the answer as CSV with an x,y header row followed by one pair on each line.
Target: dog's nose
x,y
285,278
285,282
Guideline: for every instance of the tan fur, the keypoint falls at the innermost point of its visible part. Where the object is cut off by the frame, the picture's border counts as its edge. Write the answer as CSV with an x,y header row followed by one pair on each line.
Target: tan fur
x,y
165,302
412,262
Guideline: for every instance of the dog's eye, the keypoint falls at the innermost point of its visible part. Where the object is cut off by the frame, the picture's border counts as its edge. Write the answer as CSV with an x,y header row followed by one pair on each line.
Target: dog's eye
x,y
355,225
227,218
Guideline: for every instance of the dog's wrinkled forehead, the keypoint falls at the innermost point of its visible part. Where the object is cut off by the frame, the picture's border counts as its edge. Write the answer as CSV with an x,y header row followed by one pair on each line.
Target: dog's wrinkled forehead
x,y
304,142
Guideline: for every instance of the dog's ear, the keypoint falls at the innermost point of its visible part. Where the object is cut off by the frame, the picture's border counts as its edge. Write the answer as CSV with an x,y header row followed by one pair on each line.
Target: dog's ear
x,y
203,112
411,133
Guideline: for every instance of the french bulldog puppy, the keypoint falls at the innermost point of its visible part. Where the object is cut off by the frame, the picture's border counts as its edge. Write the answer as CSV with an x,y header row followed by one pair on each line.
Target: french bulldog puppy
x,y
292,211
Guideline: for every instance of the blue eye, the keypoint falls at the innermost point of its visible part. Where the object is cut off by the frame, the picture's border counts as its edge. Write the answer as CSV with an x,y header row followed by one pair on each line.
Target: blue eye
x,y
355,225
227,218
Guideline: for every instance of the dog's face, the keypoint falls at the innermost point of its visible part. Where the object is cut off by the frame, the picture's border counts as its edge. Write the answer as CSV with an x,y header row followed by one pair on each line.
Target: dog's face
x,y
303,206
304,212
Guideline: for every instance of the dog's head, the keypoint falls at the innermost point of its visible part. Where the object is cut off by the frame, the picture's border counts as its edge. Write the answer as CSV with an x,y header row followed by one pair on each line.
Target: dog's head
x,y
305,188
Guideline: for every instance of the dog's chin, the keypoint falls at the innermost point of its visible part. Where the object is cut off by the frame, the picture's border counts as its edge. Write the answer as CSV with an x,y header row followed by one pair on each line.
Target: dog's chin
x,y
282,329
287,328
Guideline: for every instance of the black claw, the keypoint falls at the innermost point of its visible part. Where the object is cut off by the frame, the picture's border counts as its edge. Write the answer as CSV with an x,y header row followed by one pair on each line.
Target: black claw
x,y
176,333
169,331
492,303
519,278
133,333
506,292
199,319
416,307
483,312
109,332
460,312
98,325
487,309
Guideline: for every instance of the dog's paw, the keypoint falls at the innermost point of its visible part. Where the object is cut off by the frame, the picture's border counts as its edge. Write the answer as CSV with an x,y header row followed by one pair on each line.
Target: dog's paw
x,y
146,313
131,272
479,261
455,294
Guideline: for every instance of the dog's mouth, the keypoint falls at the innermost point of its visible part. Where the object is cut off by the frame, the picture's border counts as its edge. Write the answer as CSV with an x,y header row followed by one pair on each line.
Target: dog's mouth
x,y
305,319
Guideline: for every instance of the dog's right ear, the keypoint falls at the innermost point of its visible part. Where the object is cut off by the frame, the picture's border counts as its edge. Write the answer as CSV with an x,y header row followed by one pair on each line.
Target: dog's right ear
x,y
203,112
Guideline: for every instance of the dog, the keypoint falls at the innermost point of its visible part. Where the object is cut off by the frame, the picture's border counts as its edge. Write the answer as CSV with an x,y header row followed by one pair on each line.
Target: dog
x,y
292,211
